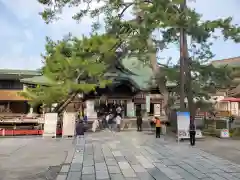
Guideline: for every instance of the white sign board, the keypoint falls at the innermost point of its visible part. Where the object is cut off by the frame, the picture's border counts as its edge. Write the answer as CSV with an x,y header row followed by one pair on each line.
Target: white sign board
x,y
69,121
148,103
224,133
130,109
157,109
50,124
183,121
90,112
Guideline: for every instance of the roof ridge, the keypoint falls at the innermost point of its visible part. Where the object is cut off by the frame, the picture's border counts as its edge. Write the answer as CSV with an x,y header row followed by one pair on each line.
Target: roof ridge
x,y
227,59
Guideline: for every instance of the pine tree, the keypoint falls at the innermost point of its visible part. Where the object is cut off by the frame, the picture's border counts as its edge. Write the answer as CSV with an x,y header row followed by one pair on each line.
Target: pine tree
x,y
168,18
73,66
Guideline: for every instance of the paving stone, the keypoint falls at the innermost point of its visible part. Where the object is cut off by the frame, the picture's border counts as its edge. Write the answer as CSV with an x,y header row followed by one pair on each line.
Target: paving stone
x,y
145,163
74,175
124,165
157,174
128,173
114,169
215,176
144,176
183,173
111,162
88,177
61,177
69,157
139,168
192,170
144,158
168,171
132,160
168,162
117,153
120,159
76,167
65,168
117,177
88,163
100,166
102,175
88,170
236,175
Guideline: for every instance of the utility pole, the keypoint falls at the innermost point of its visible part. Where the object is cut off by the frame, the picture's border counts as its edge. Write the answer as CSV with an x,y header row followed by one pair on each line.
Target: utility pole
x,y
183,57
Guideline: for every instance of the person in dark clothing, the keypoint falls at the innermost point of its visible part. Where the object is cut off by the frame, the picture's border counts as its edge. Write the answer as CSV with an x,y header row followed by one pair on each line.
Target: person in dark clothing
x,y
79,130
192,133
139,123
139,118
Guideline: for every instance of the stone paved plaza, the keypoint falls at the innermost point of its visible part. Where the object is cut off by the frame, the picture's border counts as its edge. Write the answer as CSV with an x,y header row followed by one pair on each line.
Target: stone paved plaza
x,y
139,156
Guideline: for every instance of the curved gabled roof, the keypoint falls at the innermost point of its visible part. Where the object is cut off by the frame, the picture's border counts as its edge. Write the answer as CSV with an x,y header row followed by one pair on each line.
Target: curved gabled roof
x,y
128,68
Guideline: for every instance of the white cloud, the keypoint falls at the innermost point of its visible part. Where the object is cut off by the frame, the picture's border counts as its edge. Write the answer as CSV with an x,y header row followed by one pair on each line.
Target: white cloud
x,y
27,35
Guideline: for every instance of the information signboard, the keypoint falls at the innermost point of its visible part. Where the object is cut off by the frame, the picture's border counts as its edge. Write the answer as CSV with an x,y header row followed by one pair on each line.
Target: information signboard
x,y
50,124
224,133
183,121
69,122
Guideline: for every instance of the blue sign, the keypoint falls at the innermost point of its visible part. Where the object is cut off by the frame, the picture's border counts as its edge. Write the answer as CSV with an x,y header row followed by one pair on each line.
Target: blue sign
x,y
183,114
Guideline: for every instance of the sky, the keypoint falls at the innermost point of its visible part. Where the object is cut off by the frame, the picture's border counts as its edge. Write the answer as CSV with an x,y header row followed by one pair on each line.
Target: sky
x,y
23,32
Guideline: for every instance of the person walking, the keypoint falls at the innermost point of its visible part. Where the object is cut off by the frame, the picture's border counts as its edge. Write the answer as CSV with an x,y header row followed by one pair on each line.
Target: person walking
x,y
192,133
111,122
157,122
79,131
118,122
139,123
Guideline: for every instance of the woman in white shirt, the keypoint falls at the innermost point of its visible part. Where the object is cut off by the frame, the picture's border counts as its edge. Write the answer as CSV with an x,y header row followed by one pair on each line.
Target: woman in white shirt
x,y
118,121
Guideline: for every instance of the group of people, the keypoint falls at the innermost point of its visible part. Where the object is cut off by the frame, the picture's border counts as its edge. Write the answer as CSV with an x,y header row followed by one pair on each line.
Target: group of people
x,y
110,119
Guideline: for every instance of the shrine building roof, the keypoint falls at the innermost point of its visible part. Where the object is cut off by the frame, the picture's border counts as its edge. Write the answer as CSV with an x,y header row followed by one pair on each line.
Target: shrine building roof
x,y
16,74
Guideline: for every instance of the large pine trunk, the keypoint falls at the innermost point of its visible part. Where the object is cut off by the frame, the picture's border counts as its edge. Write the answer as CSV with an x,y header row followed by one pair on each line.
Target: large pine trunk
x,y
61,106
161,85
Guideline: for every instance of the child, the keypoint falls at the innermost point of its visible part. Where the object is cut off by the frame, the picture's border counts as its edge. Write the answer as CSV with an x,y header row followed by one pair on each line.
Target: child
x,y
95,125
118,121
158,126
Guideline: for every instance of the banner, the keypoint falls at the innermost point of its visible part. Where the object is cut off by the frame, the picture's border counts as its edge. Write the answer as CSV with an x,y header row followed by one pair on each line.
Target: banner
x,y
50,124
183,121
148,103
69,122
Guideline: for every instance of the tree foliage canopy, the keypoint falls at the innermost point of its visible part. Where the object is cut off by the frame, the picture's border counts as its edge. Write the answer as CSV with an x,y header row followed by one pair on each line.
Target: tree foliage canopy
x,y
167,17
73,65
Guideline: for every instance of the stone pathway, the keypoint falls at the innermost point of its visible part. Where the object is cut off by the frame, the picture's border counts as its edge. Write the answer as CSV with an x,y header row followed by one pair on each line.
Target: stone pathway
x,y
139,156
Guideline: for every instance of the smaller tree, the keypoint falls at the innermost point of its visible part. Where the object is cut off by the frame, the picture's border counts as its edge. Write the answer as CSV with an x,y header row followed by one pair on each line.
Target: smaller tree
x,y
73,66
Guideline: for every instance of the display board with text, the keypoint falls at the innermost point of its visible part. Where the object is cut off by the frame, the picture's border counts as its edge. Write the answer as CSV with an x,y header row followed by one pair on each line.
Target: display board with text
x,y
50,124
183,122
69,122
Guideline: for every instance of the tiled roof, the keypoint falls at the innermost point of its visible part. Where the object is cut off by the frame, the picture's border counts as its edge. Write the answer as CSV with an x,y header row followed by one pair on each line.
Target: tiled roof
x,y
41,80
19,72
235,61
